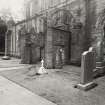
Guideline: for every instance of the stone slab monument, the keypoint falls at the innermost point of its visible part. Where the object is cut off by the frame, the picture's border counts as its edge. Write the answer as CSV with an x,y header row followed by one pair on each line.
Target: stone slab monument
x,y
88,64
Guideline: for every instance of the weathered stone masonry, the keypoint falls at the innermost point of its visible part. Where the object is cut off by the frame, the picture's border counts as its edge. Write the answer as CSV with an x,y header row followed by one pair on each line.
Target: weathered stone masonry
x,y
65,36
97,19
69,34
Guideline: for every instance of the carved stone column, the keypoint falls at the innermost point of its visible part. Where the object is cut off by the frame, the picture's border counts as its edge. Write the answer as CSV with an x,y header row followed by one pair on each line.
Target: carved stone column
x,y
49,49
100,63
6,57
98,44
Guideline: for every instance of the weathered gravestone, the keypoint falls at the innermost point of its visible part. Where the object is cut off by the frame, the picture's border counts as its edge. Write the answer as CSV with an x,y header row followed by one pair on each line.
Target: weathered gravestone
x,y
88,64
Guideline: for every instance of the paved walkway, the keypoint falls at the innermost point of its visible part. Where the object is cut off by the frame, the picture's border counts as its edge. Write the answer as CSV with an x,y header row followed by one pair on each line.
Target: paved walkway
x,y
13,94
57,87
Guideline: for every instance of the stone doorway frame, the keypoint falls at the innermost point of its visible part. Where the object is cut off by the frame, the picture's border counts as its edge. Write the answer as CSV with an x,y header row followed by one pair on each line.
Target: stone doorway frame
x,y
55,21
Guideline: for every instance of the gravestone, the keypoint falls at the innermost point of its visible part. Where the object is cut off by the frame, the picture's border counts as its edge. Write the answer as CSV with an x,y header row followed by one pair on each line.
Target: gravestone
x,y
87,66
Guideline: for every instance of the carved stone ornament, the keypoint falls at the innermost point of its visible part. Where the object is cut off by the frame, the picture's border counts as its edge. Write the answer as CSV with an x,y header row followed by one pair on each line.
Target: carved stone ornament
x,y
59,18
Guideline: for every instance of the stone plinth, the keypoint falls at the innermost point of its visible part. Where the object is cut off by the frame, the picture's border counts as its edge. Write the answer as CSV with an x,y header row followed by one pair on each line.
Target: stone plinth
x,y
6,58
100,67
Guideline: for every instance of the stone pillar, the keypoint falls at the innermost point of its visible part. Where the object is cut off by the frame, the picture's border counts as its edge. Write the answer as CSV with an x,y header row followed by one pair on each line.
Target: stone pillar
x,y
100,63
6,55
21,47
27,54
49,49
26,51
87,67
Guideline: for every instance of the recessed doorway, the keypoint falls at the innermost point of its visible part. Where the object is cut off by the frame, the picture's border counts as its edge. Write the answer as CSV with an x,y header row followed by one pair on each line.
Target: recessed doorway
x,y
3,30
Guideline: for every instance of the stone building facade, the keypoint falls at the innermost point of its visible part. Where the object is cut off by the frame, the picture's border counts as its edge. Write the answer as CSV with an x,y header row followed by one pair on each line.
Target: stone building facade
x,y
72,27
60,30
64,23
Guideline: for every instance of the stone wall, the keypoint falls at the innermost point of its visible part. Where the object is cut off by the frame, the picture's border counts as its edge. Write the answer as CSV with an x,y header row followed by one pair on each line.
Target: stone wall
x,y
97,22
85,17
86,27
96,16
49,49
96,13
78,41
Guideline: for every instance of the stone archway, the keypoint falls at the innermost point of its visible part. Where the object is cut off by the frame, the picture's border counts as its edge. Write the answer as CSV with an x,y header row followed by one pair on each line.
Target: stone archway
x,y
57,47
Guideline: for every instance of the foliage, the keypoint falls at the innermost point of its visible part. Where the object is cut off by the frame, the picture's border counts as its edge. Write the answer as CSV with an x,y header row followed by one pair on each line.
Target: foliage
x,y
5,14
7,17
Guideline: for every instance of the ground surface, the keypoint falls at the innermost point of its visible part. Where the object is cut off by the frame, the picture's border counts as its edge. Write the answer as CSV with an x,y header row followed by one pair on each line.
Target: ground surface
x,y
58,86
11,64
13,94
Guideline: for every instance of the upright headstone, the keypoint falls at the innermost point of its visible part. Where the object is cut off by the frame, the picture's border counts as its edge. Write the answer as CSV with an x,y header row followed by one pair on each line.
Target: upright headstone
x,y
87,67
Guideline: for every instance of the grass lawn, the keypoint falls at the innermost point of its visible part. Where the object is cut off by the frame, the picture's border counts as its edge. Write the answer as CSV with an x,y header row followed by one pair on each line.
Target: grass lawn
x,y
58,86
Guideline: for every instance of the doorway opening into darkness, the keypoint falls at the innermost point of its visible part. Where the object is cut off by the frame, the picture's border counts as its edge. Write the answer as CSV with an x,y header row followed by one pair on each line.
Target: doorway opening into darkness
x,y
3,30
2,44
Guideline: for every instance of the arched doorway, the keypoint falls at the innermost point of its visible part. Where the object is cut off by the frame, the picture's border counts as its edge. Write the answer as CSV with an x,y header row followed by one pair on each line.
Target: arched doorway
x,y
3,29
64,39
58,38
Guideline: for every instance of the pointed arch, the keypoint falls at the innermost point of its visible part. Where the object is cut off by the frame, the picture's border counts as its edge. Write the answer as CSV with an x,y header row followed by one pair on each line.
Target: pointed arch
x,y
101,19
60,17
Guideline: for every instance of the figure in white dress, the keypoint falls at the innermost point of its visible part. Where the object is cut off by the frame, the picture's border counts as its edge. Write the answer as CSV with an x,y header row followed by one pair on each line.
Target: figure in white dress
x,y
42,70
